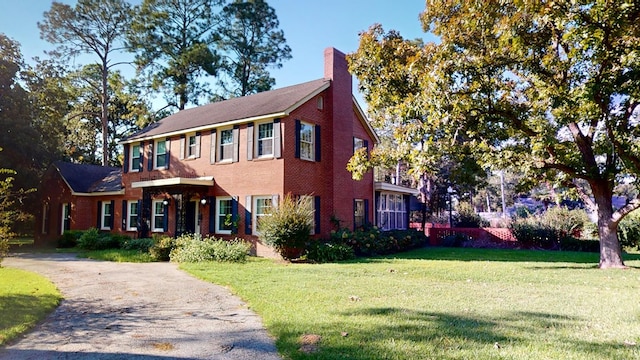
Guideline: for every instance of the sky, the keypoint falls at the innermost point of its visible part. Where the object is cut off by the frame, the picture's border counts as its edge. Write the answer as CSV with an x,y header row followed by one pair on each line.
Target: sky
x,y
309,27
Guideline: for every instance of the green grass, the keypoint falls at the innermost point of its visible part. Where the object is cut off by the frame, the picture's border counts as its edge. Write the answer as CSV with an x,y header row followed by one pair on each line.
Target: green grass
x,y
117,255
21,241
25,299
445,303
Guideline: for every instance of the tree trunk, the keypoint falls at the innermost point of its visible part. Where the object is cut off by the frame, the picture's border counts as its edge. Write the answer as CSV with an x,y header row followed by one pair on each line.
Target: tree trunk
x,y
610,250
104,115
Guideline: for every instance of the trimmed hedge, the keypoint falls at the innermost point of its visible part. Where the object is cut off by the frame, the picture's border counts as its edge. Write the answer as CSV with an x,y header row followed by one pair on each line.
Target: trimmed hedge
x,y
372,241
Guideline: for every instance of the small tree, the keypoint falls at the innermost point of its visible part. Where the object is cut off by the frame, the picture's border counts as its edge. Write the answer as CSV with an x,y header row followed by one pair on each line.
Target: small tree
x,y
288,227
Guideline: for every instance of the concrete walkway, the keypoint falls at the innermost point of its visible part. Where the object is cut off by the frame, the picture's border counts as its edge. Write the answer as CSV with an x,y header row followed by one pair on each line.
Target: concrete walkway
x,y
137,311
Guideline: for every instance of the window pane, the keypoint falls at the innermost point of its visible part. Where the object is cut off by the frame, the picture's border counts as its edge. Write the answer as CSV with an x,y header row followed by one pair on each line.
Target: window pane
x,y
265,130
226,144
224,215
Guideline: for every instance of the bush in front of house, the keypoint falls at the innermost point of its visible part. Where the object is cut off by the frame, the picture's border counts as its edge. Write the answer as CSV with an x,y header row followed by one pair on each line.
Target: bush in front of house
x,y
69,238
142,245
288,227
371,241
193,248
93,239
161,248
325,252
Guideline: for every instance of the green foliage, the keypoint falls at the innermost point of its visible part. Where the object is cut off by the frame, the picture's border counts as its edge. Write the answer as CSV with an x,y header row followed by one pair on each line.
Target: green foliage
x,y
142,245
554,227
161,249
93,239
629,231
468,218
325,252
250,39
193,248
372,241
69,238
288,226
4,249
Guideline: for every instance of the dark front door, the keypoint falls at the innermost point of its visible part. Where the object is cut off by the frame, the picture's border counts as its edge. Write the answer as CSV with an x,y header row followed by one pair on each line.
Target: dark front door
x,y
190,217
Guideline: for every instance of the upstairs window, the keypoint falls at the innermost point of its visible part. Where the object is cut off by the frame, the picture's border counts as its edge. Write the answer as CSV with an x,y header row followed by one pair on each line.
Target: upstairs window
x,y
306,141
161,153
226,145
136,157
190,146
265,140
358,144
191,149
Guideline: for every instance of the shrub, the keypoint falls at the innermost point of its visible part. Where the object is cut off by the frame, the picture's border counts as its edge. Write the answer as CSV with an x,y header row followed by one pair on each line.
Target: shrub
x,y
193,248
629,230
69,238
468,218
161,248
371,241
287,227
569,243
555,226
92,239
119,239
324,252
143,244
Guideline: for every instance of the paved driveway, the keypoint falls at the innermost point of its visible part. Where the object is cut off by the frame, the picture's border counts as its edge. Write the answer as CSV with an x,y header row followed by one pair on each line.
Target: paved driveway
x,y
137,311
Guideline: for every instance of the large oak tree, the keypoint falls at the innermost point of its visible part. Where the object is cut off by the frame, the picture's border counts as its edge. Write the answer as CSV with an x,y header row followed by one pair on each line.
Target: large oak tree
x,y
550,88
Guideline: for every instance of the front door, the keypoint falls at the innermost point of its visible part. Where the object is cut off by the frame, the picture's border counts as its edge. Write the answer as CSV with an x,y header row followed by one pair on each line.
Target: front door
x,y
191,218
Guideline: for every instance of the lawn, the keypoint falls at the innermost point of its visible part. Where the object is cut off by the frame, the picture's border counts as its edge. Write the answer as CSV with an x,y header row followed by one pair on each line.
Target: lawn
x,y
25,299
443,303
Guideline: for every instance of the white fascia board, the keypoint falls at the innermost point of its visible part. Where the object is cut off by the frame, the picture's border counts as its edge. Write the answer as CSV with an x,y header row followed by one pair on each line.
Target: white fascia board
x,y
382,186
202,181
104,193
366,120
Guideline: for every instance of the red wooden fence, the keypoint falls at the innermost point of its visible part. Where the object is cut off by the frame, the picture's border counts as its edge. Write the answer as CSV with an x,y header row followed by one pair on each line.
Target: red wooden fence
x,y
438,232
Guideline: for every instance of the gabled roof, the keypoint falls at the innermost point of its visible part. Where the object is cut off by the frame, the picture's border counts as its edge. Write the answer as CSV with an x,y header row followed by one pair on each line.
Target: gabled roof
x,y
273,103
87,179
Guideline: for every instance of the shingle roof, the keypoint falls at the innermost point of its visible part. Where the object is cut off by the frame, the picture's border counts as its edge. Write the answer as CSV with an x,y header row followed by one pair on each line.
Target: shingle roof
x,y
86,178
251,106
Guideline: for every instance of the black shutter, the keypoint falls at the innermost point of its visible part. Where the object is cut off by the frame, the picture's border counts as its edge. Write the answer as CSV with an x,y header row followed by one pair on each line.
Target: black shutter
x,y
113,213
98,222
298,129
167,155
316,214
234,215
354,214
124,215
150,157
165,218
318,147
126,158
212,214
366,212
141,163
247,215
140,217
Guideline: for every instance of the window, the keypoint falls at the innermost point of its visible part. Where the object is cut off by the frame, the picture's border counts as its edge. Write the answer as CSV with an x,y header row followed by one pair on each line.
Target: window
x,y
132,216
45,218
265,140
308,201
160,157
158,216
392,212
191,149
224,211
320,103
66,218
107,216
358,213
306,141
262,206
358,144
136,157
190,146
226,145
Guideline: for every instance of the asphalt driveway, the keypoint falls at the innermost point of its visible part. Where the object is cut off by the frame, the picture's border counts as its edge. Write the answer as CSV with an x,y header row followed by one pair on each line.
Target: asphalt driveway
x,y
137,311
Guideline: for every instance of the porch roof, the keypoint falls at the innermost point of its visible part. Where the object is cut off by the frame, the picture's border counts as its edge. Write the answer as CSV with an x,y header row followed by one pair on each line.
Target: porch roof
x,y
199,181
383,186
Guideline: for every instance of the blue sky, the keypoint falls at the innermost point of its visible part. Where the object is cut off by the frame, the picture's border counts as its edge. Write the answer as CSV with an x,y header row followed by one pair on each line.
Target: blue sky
x,y
309,27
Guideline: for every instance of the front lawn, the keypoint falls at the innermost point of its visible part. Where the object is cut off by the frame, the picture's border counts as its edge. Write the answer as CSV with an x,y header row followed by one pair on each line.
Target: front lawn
x,y
25,299
443,303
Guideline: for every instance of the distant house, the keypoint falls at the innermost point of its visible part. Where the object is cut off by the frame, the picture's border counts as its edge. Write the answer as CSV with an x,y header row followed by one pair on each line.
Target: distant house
x,y
218,168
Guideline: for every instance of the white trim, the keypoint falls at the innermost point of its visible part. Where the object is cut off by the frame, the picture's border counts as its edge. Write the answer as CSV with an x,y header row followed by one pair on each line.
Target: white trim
x,y
204,181
104,193
155,154
64,216
131,157
218,214
254,213
103,213
364,120
382,186
154,214
256,141
129,225
219,146
312,141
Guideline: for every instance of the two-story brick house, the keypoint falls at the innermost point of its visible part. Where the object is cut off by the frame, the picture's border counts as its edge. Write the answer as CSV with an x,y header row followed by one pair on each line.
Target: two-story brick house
x,y
216,169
